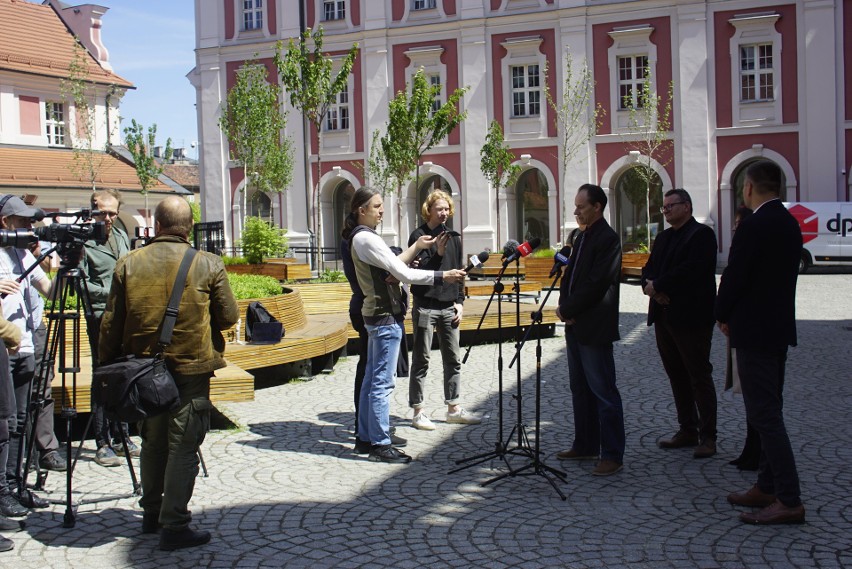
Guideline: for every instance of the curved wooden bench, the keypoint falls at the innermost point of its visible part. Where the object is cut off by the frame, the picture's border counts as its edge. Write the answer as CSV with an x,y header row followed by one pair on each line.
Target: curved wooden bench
x,y
305,336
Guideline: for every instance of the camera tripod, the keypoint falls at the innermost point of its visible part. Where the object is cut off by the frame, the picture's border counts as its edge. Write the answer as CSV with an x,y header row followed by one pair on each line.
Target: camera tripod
x,y
65,351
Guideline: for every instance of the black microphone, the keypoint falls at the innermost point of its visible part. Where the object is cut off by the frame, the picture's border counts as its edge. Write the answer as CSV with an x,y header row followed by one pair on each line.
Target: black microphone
x,y
524,249
560,260
449,231
510,247
476,260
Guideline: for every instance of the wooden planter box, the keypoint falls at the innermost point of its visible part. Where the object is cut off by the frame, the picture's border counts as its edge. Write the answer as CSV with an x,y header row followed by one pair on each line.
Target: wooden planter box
x,y
275,270
632,264
538,269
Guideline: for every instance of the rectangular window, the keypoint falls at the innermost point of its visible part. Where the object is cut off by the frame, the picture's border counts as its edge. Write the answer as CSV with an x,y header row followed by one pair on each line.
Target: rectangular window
x,y
526,91
334,10
55,123
338,113
423,4
756,76
631,75
435,82
252,14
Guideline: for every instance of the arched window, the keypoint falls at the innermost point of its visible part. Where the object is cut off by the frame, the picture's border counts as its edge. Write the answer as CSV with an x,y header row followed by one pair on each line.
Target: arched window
x,y
429,185
531,211
260,206
342,198
631,192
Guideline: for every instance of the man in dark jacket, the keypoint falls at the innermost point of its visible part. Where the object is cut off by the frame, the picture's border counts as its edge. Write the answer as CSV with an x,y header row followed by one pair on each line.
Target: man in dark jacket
x,y
141,287
756,309
680,278
588,304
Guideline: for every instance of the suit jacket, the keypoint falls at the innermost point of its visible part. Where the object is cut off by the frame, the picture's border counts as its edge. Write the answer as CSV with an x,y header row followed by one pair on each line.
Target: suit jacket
x,y
593,299
683,266
757,295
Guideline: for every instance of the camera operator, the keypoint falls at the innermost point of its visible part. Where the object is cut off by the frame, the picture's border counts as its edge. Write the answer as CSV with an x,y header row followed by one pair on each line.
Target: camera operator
x,y
23,307
98,265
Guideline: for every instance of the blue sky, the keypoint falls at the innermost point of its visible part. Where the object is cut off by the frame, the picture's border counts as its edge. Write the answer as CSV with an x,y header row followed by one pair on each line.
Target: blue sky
x,y
151,45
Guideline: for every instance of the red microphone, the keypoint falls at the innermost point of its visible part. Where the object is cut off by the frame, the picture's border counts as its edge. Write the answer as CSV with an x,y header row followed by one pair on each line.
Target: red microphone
x,y
523,250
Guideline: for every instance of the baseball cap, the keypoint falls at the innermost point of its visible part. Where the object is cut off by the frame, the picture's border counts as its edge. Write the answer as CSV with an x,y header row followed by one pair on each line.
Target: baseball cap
x,y
13,205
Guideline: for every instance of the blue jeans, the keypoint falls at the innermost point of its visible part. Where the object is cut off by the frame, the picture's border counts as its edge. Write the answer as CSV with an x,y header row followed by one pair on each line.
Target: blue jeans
x,y
598,413
374,405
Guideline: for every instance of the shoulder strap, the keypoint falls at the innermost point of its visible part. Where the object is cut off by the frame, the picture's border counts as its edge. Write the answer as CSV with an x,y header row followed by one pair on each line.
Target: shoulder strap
x,y
170,317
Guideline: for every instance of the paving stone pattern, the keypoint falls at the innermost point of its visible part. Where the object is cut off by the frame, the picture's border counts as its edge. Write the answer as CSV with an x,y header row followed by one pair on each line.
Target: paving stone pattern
x,y
286,490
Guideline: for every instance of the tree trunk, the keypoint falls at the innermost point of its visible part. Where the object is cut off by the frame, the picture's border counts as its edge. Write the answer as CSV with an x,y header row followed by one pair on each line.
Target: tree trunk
x,y
648,210
318,200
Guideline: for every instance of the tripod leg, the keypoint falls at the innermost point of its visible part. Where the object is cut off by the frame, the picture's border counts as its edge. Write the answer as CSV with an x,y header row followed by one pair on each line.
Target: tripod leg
x,y
203,464
116,426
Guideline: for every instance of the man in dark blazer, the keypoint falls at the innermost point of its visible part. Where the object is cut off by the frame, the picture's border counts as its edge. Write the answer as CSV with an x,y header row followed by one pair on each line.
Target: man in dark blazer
x,y
755,308
588,304
680,278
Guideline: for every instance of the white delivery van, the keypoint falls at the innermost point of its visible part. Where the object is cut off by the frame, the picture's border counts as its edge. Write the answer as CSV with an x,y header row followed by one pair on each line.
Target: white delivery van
x,y
826,232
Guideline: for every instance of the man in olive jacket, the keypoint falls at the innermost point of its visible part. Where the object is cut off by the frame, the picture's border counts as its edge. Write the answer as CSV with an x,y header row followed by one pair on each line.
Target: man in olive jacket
x,y
140,292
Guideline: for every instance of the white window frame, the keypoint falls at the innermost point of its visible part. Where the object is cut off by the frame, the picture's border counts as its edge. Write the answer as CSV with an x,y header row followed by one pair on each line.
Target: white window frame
x,y
340,140
431,11
250,8
438,99
56,130
428,58
629,41
754,30
522,78
758,72
638,64
338,9
523,52
418,5
339,112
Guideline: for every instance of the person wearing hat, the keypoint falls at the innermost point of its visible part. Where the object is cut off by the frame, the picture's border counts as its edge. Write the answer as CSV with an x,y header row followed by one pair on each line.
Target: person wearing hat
x,y
23,307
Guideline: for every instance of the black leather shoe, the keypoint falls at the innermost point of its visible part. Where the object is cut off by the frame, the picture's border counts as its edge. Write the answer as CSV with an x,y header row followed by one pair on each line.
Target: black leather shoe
x,y
6,544
11,525
398,442
10,507
681,439
30,499
171,540
151,523
362,447
387,453
52,461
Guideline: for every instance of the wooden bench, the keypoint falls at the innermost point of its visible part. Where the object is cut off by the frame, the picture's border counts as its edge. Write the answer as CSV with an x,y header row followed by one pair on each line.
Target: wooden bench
x,y
632,264
491,268
307,336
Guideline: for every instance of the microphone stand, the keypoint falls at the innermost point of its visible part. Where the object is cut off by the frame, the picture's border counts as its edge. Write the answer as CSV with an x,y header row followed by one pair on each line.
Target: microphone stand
x,y
499,447
536,466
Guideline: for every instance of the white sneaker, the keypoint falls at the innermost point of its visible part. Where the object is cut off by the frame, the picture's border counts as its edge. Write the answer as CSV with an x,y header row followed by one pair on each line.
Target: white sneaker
x,y
463,417
423,422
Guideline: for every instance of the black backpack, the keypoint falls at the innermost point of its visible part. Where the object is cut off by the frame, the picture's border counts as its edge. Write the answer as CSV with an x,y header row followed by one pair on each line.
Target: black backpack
x,y
261,326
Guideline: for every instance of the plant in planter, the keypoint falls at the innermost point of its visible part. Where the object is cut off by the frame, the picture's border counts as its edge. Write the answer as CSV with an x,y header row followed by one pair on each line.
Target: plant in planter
x,y
253,286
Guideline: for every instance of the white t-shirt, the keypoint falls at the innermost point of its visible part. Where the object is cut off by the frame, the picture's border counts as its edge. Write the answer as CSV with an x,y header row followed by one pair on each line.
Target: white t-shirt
x,y
25,308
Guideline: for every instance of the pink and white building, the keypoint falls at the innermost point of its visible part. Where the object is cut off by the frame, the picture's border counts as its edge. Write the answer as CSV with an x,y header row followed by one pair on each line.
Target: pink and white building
x,y
752,79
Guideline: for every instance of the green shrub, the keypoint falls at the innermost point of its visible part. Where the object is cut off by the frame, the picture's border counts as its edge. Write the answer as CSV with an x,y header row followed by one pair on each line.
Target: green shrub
x,y
261,239
234,260
331,276
253,286
543,252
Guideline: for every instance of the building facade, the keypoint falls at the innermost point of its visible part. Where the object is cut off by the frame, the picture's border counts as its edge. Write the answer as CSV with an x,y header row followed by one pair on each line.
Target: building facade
x,y
750,79
40,125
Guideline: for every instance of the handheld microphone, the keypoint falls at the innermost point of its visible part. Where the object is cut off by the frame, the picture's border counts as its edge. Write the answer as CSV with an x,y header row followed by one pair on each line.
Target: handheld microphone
x,y
449,231
524,249
560,260
476,260
510,247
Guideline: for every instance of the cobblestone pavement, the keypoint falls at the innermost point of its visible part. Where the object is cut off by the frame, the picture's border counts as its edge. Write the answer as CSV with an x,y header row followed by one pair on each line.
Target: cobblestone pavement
x,y
286,490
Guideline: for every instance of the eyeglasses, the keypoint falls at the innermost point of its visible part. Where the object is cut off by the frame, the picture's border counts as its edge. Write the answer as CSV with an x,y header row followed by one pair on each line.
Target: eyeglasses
x,y
668,207
102,213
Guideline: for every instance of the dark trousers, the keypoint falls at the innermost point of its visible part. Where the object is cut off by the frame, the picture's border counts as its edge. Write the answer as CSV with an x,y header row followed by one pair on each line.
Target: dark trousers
x,y
22,368
762,380
598,411
7,408
104,429
685,353
45,438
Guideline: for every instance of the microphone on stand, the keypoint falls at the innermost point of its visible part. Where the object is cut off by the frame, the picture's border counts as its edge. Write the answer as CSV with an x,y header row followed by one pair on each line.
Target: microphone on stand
x,y
523,250
560,260
509,248
476,260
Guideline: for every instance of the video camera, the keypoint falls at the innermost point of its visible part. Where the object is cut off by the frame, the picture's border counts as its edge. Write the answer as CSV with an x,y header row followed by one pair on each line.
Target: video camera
x,y
63,234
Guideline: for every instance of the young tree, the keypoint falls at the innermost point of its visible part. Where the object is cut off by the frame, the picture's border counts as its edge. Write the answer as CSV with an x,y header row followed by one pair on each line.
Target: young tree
x,y
81,91
577,120
648,126
415,126
313,87
253,122
141,147
496,165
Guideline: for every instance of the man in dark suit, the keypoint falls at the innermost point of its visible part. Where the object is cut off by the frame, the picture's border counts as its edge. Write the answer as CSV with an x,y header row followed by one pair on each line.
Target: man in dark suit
x,y
588,304
680,278
755,308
